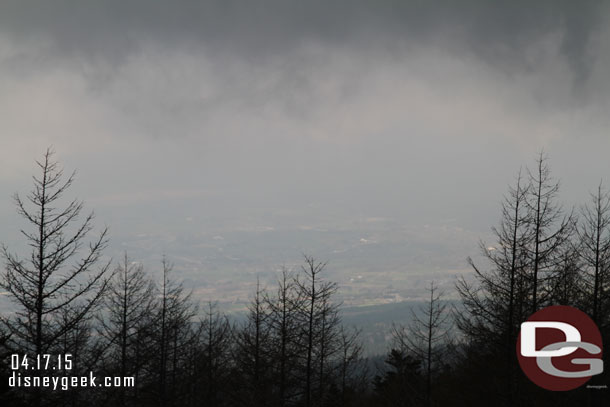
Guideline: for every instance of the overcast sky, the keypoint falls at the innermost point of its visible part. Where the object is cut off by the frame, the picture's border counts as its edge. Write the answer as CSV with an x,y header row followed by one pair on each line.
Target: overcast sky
x,y
420,111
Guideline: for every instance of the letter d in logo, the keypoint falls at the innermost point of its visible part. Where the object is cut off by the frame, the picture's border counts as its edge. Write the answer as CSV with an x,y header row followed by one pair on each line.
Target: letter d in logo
x,y
528,338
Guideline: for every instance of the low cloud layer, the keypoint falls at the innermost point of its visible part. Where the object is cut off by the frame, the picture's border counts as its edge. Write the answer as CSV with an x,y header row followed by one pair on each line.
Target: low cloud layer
x,y
407,110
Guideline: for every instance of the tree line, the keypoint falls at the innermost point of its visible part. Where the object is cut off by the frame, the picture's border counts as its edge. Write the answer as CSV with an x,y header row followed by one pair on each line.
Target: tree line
x,y
291,348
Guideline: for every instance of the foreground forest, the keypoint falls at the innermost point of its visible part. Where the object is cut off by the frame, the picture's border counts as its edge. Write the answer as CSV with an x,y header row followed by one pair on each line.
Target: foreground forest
x,y
293,349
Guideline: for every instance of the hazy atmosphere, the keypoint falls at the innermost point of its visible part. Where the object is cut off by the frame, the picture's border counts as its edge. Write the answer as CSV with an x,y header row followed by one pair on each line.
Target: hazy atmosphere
x,y
285,203
235,136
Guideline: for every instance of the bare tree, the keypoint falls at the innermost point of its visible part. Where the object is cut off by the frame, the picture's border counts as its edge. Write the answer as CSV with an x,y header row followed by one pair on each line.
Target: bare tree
x,y
499,303
77,342
252,353
594,237
551,229
565,284
174,316
6,398
129,308
351,370
58,285
216,338
329,324
317,314
283,320
426,337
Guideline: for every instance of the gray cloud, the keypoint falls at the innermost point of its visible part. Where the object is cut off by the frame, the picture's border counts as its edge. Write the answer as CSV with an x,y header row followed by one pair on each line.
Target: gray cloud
x,y
414,110
499,32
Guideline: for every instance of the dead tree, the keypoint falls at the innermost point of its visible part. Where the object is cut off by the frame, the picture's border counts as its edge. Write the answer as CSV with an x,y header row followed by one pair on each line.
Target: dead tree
x,y
216,346
59,284
129,307
252,354
315,314
426,337
328,343
504,289
551,229
174,316
351,370
594,238
500,298
283,321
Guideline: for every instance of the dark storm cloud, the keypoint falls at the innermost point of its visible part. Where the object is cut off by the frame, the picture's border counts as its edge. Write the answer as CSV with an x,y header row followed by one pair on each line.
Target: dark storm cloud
x,y
499,32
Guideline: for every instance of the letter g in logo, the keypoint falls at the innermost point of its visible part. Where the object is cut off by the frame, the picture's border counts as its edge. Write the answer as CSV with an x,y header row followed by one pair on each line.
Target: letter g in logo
x,y
555,343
